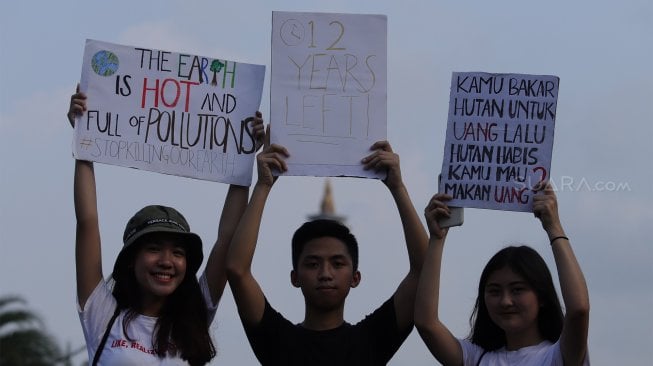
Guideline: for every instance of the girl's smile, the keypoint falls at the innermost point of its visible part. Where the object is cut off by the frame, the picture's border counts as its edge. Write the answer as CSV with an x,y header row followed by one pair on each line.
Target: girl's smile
x,y
513,306
159,267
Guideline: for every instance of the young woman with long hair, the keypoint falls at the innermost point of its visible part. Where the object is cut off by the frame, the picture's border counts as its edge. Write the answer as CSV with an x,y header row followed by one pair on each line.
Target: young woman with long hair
x,y
153,310
517,318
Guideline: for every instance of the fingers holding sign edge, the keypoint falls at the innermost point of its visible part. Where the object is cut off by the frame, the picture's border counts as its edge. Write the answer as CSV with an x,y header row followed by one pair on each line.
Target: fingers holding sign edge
x,y
77,106
436,211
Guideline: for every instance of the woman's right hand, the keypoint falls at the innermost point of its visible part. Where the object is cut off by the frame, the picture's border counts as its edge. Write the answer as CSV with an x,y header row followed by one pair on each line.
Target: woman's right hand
x,y
77,106
435,210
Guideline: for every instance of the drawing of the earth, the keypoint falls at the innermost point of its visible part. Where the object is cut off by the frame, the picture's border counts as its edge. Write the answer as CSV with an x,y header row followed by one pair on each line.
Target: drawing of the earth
x,y
105,63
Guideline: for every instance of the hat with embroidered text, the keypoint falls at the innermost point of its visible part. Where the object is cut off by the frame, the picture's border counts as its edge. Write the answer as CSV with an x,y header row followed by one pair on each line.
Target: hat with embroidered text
x,y
161,219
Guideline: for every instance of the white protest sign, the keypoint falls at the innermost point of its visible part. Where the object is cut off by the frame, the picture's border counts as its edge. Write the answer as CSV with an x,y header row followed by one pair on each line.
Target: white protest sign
x,y
499,139
328,97
168,112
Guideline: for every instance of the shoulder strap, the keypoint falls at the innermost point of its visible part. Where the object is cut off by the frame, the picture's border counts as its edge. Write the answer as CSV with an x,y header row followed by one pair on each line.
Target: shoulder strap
x,y
100,347
478,363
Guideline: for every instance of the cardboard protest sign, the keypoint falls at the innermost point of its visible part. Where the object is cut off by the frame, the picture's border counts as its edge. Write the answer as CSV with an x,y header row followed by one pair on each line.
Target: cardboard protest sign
x,y
499,139
168,112
328,97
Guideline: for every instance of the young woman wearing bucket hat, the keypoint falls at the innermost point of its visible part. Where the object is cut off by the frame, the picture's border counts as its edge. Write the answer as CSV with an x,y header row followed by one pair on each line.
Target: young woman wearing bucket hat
x,y
153,309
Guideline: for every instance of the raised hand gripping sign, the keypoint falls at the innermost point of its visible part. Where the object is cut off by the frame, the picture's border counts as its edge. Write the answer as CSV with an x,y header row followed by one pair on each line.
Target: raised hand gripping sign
x,y
328,98
499,139
168,112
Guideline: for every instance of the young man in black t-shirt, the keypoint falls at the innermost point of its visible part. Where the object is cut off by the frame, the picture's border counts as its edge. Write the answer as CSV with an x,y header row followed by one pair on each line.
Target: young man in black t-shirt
x,y
325,267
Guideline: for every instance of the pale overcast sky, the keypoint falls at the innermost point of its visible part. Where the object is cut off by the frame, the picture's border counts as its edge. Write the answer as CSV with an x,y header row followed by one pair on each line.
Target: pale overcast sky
x,y
601,50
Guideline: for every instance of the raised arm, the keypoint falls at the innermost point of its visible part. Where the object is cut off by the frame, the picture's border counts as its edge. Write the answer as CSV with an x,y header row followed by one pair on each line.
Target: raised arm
x,y
573,341
88,259
414,233
232,210
437,337
247,293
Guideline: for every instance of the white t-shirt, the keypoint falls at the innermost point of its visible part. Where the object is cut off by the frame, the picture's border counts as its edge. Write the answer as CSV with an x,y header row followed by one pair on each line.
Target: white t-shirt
x,y
543,354
118,350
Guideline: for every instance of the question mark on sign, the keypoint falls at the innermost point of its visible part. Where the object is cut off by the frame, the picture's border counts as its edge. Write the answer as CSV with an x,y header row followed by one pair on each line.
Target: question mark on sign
x,y
542,177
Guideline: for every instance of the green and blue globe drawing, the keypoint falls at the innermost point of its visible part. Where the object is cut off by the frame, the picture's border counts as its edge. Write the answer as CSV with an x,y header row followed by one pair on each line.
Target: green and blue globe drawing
x,y
105,63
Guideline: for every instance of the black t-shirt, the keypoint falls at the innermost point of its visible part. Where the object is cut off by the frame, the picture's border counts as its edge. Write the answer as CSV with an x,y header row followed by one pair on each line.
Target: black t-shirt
x,y
372,341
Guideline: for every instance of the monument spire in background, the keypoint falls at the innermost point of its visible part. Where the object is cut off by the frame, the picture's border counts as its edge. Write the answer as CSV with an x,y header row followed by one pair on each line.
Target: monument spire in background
x,y
327,206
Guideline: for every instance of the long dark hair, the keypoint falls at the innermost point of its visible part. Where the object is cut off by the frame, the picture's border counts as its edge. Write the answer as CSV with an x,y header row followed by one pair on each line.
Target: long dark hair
x,y
526,262
183,320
